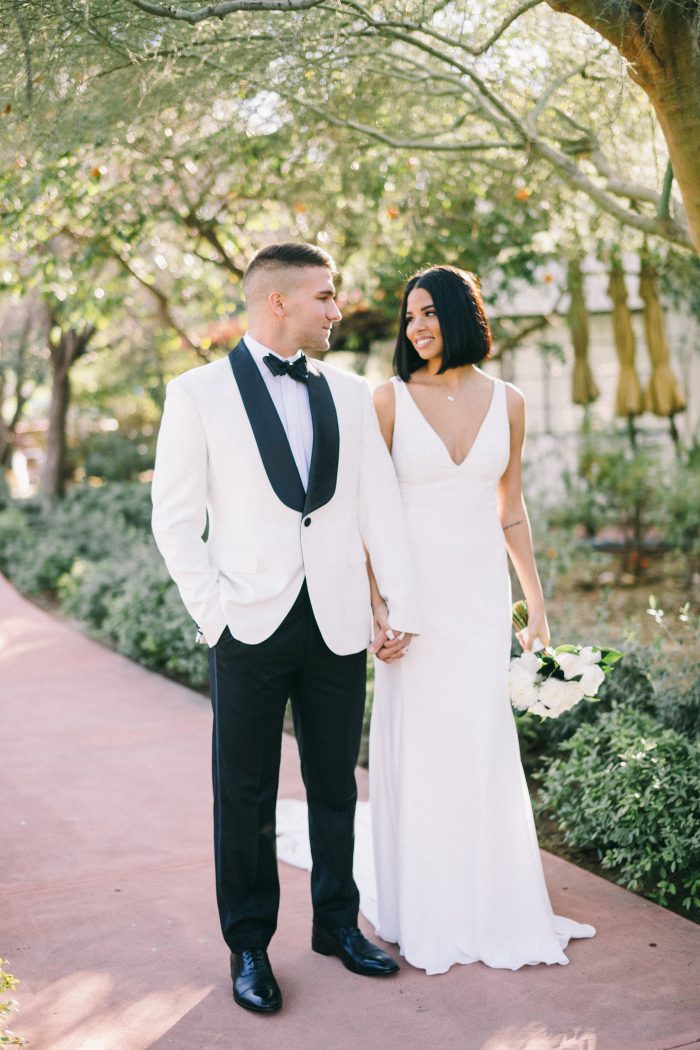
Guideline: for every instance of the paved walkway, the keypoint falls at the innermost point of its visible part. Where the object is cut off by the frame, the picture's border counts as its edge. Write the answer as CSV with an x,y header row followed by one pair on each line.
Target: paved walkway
x,y
107,911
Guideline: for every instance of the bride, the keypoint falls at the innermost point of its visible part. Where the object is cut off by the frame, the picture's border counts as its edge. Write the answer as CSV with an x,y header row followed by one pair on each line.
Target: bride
x,y
458,869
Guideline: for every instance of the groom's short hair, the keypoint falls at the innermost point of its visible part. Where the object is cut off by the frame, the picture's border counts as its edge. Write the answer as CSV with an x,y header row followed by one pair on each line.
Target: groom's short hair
x,y
287,255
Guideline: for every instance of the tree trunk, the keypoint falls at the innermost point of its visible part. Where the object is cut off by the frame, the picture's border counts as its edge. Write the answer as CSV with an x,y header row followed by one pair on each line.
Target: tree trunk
x,y
660,44
676,101
65,350
54,473
5,447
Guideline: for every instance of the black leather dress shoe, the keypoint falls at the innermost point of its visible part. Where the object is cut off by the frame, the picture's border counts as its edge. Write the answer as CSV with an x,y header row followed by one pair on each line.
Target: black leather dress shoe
x,y
254,984
354,950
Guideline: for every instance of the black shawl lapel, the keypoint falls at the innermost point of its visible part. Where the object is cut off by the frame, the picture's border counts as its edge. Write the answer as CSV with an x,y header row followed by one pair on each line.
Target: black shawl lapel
x,y
323,471
268,430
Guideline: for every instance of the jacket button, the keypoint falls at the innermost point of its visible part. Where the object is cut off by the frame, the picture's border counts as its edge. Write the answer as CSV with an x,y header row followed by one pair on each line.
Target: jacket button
x,y
307,521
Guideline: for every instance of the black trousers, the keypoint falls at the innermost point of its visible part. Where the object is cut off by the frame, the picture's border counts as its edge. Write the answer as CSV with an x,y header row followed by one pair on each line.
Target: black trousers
x,y
250,686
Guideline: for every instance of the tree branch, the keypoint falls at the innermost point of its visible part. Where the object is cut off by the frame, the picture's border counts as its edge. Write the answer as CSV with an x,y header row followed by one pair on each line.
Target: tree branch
x,y
398,143
663,211
208,230
220,10
505,343
27,52
666,228
470,49
551,89
163,304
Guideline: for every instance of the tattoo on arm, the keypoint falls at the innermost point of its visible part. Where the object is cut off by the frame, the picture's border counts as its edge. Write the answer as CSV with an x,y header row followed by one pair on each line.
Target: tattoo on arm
x,y
513,524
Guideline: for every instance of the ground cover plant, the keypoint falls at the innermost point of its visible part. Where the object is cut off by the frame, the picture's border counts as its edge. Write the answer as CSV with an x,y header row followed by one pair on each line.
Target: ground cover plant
x,y
629,789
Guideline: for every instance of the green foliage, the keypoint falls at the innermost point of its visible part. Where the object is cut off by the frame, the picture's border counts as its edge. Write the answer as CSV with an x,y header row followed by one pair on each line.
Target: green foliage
x,y
147,621
680,510
4,491
95,552
8,983
114,456
613,485
130,602
88,590
645,680
677,704
15,539
38,547
361,70
630,790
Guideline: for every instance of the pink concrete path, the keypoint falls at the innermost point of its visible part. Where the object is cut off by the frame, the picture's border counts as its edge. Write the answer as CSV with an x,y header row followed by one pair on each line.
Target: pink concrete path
x,y
107,910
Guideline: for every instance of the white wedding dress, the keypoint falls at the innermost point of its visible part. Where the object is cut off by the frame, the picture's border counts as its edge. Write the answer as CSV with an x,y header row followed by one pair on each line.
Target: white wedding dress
x,y
458,872
458,869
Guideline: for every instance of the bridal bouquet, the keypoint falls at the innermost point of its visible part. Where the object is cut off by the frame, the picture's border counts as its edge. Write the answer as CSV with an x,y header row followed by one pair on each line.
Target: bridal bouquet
x,y
553,680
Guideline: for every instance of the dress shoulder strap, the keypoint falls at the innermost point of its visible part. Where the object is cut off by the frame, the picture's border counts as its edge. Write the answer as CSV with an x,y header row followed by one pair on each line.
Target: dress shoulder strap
x,y
501,403
400,393
500,391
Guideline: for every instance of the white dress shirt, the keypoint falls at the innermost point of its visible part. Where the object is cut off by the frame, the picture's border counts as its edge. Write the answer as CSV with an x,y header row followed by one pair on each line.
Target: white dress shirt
x,y
291,399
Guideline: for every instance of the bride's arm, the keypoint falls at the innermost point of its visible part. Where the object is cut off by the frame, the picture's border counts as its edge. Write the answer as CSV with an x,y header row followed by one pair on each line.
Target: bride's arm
x,y
516,525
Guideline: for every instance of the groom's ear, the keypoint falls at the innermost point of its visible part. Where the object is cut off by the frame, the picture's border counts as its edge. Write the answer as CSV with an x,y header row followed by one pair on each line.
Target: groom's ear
x,y
277,303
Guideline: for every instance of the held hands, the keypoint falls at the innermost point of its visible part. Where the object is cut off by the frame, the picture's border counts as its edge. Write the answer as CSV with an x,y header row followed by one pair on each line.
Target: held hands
x,y
537,630
388,645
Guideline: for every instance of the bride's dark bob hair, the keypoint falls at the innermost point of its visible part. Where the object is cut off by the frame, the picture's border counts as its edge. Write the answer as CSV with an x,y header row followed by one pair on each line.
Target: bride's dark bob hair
x,y
466,336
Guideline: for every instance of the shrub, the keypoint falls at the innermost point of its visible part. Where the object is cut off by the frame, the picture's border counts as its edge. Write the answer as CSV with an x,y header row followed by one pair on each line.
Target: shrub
x,y
114,456
38,547
681,513
94,550
675,697
661,683
89,589
614,485
630,789
147,622
5,498
15,539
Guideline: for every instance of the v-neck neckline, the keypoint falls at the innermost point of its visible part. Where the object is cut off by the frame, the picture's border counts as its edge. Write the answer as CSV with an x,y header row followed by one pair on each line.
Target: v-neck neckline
x,y
433,431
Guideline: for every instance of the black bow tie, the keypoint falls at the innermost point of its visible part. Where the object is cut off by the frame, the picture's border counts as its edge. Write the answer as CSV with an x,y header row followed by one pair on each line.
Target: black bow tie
x,y
296,370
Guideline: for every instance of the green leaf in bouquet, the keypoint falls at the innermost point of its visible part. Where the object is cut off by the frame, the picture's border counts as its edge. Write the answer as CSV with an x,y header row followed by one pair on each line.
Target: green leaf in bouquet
x,y
608,658
566,649
549,668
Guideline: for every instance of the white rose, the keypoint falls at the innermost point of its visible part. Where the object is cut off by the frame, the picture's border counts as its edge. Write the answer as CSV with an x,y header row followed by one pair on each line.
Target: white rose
x,y
539,709
521,686
573,664
560,696
591,679
527,663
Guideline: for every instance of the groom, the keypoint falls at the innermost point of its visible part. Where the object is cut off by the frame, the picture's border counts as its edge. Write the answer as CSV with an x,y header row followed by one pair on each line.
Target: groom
x,y
272,484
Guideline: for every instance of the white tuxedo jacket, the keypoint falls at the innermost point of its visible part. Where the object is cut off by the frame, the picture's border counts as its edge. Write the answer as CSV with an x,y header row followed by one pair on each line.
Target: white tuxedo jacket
x,y
224,469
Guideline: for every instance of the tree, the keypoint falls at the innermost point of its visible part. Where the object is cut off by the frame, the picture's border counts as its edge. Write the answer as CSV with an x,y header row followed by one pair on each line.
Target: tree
x,y
508,101
67,344
660,44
